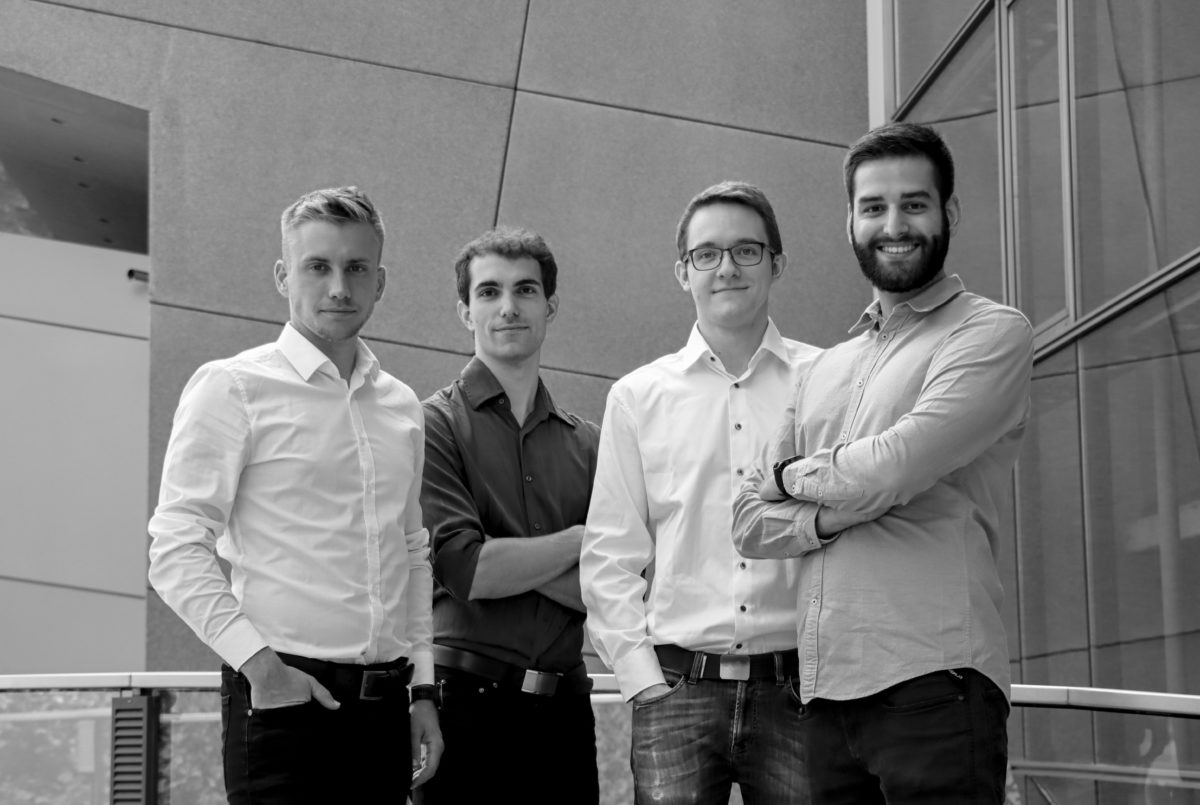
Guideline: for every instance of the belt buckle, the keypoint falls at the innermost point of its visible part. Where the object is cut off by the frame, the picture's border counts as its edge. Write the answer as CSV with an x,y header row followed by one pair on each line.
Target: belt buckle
x,y
367,691
735,667
539,683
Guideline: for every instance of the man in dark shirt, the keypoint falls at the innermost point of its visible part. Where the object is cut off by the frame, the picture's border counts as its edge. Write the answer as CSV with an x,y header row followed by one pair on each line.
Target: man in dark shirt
x,y
508,478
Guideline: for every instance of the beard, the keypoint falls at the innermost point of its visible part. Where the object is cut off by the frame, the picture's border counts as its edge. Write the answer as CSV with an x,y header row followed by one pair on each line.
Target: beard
x,y
909,278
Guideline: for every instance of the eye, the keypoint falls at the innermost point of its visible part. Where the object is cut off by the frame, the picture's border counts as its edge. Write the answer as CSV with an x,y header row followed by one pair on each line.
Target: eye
x,y
357,268
747,250
705,255
318,267
915,206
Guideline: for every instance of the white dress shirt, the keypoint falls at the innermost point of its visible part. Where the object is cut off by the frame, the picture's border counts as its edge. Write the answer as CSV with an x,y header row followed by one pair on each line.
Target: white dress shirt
x,y
678,436
309,488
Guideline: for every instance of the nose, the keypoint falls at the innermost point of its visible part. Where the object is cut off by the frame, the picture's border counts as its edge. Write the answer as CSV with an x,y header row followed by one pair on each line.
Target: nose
x,y
508,306
727,268
896,224
338,287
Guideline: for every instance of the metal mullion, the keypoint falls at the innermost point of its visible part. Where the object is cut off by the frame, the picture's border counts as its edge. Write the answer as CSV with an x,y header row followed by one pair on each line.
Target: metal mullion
x,y
1006,137
1067,129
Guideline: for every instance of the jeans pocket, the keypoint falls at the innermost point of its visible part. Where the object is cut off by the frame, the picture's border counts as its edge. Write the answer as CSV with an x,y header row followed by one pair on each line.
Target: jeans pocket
x,y
662,697
923,693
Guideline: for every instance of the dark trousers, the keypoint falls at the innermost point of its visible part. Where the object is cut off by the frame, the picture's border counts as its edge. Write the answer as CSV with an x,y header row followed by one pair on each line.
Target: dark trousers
x,y
508,746
308,754
937,738
692,744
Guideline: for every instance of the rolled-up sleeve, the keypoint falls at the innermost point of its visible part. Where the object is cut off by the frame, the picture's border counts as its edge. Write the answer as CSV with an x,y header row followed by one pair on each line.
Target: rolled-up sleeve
x,y
976,390
455,531
206,453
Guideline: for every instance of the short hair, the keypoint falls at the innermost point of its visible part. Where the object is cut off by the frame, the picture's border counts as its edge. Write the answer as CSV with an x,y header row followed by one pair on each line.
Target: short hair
x,y
731,192
335,205
512,243
893,140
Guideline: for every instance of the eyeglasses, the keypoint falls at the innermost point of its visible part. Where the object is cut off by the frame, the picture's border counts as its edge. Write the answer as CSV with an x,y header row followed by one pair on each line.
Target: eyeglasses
x,y
706,258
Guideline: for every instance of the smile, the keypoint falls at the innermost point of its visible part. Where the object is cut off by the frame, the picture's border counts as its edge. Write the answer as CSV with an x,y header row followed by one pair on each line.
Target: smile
x,y
898,249
725,290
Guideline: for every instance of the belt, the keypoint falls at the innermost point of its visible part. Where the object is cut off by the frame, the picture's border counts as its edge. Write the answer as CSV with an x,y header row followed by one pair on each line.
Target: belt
x,y
348,681
512,677
694,665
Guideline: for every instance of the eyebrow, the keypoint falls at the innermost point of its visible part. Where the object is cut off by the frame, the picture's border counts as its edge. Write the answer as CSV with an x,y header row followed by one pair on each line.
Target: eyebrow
x,y
713,245
519,283
922,194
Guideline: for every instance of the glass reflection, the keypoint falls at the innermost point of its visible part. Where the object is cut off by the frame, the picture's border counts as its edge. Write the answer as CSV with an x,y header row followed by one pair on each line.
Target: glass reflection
x,y
1137,110
55,746
1038,168
923,30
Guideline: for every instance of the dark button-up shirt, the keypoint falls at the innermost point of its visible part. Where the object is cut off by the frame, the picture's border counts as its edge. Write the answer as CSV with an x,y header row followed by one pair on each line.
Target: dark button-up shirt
x,y
487,475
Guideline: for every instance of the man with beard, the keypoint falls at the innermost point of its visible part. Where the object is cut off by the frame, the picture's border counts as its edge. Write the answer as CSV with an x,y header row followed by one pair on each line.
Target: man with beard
x,y
887,476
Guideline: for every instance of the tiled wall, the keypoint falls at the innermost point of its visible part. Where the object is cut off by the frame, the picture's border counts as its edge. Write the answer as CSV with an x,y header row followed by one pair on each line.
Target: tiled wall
x,y
591,122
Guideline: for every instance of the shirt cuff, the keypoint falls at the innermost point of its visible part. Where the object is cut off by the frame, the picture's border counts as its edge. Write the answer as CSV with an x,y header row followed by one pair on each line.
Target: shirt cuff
x,y
239,642
637,671
422,662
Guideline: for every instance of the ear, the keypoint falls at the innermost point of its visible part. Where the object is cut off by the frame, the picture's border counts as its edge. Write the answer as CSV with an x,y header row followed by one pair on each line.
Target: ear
x,y
464,315
778,265
681,274
850,223
953,212
281,278
382,279
551,307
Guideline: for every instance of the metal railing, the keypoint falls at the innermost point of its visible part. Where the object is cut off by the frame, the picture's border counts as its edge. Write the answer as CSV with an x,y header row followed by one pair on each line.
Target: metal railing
x,y
148,736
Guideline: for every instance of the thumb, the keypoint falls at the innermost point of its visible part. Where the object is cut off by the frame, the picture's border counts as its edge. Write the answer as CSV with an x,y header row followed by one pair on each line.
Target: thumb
x,y
322,695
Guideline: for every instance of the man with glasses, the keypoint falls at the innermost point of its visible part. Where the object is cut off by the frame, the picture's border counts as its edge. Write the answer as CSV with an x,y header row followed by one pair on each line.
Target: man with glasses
x,y
702,641
508,476
890,469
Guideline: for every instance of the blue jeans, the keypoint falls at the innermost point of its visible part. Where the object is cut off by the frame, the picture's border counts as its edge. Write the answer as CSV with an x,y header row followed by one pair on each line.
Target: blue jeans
x,y
691,744
941,737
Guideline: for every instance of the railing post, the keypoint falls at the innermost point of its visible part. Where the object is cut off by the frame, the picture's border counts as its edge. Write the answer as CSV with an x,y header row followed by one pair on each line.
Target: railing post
x,y
135,725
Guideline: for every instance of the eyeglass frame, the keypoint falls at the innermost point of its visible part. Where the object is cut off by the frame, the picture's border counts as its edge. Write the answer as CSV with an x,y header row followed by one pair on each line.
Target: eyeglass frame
x,y
766,250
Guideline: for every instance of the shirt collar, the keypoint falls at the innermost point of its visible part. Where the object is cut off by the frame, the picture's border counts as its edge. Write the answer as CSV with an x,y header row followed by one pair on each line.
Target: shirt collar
x,y
479,386
696,347
306,359
931,298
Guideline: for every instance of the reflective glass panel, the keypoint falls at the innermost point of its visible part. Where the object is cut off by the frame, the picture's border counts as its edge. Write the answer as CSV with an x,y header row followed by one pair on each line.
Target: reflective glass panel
x,y
1137,113
1037,174
1141,426
189,764
923,30
55,746
961,105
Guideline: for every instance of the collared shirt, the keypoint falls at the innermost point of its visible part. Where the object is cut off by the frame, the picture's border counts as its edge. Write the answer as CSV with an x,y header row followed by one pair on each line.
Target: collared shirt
x,y
488,476
678,435
920,415
309,488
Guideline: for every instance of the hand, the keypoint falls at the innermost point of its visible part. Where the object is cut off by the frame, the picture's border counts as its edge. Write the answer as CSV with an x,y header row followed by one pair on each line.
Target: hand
x,y
427,744
274,684
769,491
660,689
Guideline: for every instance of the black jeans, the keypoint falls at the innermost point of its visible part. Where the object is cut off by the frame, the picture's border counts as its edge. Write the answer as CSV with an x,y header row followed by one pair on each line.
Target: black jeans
x,y
308,754
938,738
508,746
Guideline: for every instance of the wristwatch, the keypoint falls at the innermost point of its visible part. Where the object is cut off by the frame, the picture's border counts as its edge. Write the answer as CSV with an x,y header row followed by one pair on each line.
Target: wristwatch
x,y
779,468
422,693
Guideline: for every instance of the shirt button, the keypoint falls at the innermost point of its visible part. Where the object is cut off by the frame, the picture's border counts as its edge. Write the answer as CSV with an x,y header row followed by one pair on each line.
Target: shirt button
x,y
537,526
859,383
737,385
528,479
741,471
739,645
742,565
742,607
738,426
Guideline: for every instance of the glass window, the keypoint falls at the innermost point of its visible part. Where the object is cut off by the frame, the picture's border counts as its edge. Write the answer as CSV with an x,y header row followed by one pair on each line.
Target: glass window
x,y
1141,386
1037,174
961,105
923,29
1137,113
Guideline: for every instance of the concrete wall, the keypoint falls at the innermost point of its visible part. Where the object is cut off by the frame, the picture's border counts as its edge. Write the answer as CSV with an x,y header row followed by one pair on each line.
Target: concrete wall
x,y
591,122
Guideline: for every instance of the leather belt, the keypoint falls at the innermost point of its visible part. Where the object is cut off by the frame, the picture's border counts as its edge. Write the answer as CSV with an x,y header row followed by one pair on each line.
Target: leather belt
x,y
348,681
512,677
774,665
